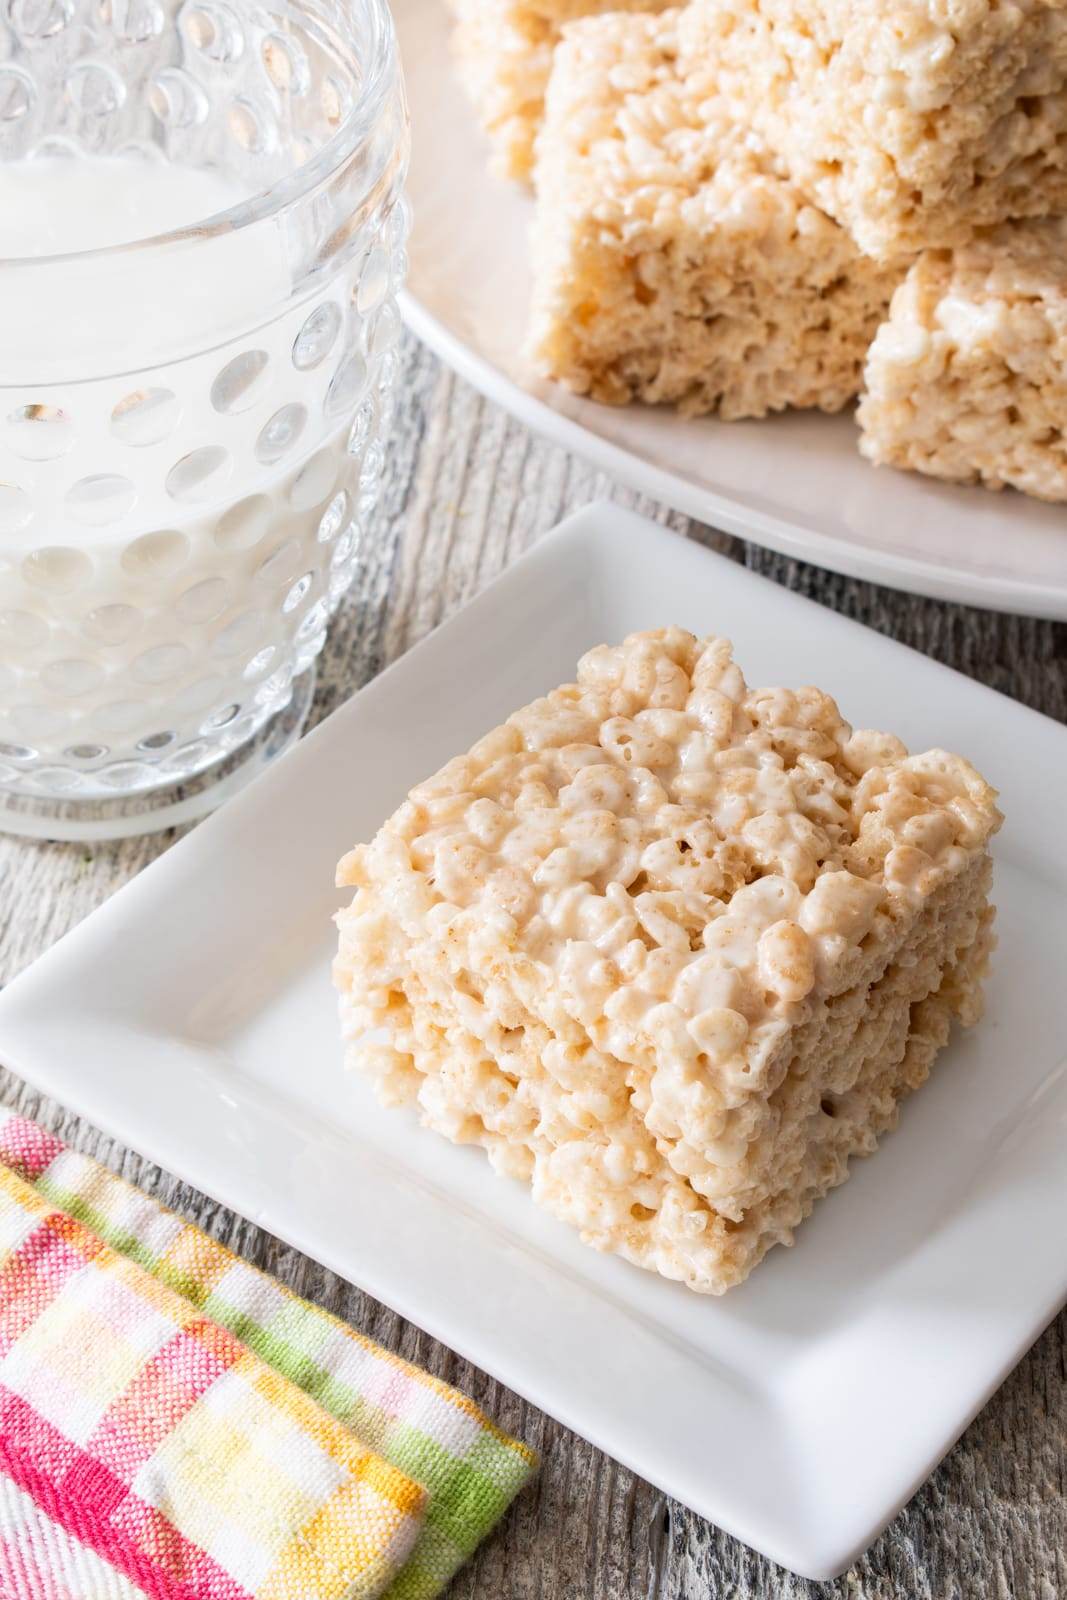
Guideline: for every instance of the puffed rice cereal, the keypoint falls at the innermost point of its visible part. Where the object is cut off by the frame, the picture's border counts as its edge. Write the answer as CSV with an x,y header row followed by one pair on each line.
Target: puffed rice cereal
x,y
674,259
912,123
503,53
967,379
670,949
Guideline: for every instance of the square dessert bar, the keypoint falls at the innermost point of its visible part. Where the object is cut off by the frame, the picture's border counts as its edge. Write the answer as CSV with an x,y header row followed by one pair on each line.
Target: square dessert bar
x,y
967,379
673,257
670,949
503,53
912,122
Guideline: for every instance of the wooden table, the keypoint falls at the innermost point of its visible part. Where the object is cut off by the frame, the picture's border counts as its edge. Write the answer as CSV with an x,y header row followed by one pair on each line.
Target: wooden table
x,y
466,490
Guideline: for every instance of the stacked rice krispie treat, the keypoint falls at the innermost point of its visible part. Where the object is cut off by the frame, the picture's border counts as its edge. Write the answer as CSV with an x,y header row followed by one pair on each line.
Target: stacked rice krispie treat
x,y
674,257
914,122
670,949
503,51
967,379
728,194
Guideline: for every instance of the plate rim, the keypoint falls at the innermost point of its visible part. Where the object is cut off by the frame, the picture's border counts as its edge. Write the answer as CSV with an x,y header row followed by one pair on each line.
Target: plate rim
x,y
820,1558
1014,596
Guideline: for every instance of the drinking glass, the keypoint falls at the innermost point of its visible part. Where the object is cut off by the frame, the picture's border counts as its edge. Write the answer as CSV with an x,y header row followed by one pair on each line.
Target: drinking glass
x,y
191,423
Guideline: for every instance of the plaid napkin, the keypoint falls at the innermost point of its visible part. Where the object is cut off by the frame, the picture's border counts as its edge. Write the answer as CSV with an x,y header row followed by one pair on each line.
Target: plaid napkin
x,y
431,1471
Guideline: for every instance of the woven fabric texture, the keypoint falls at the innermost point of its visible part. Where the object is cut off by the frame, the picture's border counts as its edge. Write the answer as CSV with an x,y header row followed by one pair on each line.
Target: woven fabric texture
x,y
165,1445
429,1435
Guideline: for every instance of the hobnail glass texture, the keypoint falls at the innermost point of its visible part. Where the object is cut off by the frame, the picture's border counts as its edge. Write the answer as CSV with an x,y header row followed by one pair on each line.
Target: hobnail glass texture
x,y
178,521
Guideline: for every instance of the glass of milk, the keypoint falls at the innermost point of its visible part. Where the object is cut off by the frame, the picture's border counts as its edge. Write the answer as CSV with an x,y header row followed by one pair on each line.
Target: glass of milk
x,y
201,237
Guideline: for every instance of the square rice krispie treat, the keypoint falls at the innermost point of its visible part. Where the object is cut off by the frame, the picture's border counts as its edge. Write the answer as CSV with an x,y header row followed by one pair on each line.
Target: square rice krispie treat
x,y
967,379
910,121
503,52
673,259
670,949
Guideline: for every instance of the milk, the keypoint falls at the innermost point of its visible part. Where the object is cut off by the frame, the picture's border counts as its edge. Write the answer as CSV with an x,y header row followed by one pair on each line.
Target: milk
x,y
176,498
63,320
56,205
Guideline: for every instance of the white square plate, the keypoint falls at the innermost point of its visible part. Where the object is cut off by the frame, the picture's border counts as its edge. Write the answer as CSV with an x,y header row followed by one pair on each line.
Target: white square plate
x,y
192,1017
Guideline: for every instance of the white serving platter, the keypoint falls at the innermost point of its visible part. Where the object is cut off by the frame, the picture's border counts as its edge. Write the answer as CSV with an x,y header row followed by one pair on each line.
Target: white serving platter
x,y
794,483
193,1018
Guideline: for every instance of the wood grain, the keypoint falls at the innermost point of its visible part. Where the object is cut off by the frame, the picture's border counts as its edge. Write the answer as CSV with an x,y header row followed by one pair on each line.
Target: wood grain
x,y
465,491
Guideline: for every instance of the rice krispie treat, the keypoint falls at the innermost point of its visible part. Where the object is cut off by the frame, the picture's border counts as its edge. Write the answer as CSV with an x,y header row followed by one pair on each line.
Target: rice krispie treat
x,y
670,949
673,259
503,52
967,379
911,122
